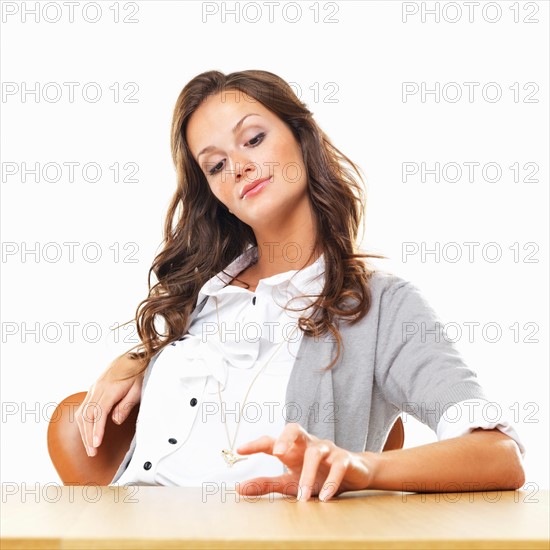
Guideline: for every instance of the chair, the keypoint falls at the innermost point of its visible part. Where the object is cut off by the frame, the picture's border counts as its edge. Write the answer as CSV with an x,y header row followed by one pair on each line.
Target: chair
x,y
75,467
67,451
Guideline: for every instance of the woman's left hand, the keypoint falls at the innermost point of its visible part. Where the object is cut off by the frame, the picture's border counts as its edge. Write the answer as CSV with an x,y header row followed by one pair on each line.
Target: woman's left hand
x,y
314,466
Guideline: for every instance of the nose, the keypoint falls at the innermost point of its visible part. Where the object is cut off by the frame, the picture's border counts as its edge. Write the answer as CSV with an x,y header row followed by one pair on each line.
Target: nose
x,y
241,167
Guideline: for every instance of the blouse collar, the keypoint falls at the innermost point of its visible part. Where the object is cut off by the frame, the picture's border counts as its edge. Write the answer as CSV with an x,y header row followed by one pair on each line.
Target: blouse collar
x,y
309,280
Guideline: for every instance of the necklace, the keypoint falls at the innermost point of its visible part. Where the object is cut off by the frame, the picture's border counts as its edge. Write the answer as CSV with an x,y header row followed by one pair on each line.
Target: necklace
x,y
229,455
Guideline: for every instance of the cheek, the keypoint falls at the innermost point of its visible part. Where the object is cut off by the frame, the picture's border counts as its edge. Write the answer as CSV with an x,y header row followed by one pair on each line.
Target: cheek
x,y
217,190
288,151
286,154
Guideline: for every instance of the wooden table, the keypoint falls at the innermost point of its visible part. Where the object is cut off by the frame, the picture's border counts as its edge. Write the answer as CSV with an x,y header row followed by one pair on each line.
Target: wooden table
x,y
178,517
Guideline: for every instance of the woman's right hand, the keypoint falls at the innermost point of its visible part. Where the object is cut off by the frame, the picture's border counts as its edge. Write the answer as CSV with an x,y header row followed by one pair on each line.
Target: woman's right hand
x,y
106,392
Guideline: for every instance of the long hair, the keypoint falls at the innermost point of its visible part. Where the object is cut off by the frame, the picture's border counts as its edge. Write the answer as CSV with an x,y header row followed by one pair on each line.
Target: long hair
x,y
201,236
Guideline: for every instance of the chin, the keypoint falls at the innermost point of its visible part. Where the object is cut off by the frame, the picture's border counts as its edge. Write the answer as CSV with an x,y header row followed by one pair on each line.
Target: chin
x,y
258,217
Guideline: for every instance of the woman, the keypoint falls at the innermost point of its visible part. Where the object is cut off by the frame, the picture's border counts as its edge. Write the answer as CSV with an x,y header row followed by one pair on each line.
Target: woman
x,y
265,219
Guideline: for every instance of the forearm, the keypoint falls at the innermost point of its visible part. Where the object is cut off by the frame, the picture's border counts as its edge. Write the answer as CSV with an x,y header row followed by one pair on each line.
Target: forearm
x,y
481,460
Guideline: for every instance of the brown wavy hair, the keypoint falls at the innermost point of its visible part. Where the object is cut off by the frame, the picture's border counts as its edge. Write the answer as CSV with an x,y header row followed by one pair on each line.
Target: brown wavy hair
x,y
201,236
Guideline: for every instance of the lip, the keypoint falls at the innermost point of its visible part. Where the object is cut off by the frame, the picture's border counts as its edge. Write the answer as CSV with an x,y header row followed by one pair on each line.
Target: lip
x,y
254,187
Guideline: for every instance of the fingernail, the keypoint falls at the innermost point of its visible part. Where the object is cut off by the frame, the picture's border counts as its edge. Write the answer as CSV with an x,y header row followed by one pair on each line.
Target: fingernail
x,y
323,495
279,449
91,451
96,441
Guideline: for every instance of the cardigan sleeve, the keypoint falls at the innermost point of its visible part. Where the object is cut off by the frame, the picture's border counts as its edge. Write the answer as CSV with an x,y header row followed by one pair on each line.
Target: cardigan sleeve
x,y
417,367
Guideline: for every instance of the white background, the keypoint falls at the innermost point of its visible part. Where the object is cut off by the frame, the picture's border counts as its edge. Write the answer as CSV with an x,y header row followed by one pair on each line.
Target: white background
x,y
366,55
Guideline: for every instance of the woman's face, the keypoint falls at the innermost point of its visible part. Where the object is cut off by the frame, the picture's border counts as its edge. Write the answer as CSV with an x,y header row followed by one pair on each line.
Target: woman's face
x,y
237,141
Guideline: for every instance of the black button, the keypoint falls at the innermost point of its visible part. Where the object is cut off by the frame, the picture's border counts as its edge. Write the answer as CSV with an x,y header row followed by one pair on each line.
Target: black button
x,y
147,465
254,300
173,441
193,402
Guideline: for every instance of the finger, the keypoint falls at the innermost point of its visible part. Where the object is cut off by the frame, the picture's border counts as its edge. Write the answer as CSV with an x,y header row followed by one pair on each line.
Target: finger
x,y
88,414
312,458
82,425
265,485
122,410
93,415
85,419
334,480
101,413
263,444
291,433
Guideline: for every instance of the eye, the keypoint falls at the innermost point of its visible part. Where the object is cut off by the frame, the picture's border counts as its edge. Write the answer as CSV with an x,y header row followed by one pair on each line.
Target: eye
x,y
215,169
256,139
260,136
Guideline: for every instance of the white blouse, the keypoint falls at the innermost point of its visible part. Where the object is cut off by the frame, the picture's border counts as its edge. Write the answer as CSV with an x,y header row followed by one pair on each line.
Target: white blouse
x,y
253,328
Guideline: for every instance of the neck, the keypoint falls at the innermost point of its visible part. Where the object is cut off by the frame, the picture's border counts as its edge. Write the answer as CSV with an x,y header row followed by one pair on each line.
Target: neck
x,y
289,246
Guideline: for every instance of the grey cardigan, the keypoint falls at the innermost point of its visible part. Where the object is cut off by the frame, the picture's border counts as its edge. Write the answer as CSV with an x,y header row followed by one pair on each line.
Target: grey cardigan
x,y
396,359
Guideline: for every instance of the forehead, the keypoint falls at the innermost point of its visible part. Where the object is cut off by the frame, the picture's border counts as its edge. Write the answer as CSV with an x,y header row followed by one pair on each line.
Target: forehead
x,y
217,115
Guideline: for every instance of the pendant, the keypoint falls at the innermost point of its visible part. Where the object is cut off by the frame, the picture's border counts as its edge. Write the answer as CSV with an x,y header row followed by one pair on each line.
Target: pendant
x,y
230,457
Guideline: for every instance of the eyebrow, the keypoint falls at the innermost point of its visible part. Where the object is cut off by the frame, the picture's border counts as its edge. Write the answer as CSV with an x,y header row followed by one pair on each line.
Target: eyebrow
x,y
234,131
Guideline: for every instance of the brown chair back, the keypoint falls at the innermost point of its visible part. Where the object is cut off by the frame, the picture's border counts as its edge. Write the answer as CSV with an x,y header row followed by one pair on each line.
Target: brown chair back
x,y
75,467
396,437
67,451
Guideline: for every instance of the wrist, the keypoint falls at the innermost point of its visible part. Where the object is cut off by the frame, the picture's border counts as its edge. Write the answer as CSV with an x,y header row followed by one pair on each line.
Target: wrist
x,y
371,464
